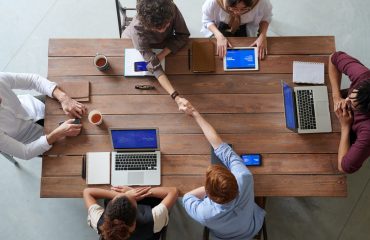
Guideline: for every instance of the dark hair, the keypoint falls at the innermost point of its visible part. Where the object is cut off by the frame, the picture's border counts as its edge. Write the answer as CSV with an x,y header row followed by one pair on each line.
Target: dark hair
x,y
247,3
363,97
155,13
119,216
221,186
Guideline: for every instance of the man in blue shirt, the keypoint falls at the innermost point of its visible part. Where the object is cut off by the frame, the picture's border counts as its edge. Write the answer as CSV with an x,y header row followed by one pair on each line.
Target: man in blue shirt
x,y
226,203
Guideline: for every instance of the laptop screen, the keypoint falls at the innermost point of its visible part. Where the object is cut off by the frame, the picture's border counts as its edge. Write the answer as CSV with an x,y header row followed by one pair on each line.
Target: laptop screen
x,y
127,139
289,105
240,58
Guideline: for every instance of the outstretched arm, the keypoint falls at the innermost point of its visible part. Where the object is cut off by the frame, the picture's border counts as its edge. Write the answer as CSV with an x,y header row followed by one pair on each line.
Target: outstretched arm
x,y
91,195
335,78
212,136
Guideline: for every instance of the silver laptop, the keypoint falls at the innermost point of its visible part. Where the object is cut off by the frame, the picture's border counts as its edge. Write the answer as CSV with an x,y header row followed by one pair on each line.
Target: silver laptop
x,y
136,159
306,109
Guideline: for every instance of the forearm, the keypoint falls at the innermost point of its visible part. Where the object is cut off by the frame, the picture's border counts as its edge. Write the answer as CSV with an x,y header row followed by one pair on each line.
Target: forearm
x,y
335,78
213,138
166,84
198,192
168,194
215,30
59,94
263,28
163,54
344,145
91,195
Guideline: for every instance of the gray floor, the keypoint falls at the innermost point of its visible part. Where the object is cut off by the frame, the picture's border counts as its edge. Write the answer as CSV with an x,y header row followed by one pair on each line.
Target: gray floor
x,y
26,26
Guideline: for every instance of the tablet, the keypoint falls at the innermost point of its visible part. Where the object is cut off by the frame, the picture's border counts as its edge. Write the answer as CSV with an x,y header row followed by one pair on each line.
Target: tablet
x,y
241,59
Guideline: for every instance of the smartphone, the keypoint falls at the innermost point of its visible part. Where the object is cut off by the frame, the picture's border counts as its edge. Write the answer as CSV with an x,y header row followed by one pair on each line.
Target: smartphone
x,y
252,159
76,121
140,66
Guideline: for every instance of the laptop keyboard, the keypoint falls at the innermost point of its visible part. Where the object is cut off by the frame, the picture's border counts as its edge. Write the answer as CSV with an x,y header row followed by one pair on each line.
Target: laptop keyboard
x,y
306,109
147,161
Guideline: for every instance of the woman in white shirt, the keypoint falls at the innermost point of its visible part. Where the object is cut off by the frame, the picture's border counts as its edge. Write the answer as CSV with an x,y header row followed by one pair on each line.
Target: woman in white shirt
x,y
237,18
20,134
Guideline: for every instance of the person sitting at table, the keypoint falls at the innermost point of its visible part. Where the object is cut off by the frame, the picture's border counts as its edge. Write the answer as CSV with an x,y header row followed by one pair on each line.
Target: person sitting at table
x,y
132,213
21,117
352,108
237,18
225,204
158,24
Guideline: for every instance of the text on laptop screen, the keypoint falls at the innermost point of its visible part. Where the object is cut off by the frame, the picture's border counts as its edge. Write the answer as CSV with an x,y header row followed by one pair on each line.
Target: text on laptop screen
x,y
240,59
134,139
289,105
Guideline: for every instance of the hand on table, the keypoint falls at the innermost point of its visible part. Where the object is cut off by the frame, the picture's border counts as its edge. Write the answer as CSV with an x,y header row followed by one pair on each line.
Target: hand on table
x,y
138,193
222,44
68,129
261,44
73,108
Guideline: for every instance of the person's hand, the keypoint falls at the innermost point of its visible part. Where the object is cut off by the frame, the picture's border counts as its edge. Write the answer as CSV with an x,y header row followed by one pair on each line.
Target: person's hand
x,y
121,189
68,129
73,108
344,115
139,193
187,108
261,44
222,44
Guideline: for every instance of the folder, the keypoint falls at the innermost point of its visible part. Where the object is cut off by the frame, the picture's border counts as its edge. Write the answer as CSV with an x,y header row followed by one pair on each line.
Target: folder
x,y
203,56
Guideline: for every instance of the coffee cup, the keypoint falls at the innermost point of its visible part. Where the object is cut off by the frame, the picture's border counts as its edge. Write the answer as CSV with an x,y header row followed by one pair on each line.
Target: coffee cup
x,y
101,62
95,117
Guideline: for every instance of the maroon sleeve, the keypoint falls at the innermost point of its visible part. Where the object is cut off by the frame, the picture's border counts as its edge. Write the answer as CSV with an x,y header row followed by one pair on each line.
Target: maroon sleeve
x,y
358,152
350,66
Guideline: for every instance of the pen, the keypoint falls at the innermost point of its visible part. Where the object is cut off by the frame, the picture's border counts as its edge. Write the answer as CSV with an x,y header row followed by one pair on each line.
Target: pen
x,y
189,59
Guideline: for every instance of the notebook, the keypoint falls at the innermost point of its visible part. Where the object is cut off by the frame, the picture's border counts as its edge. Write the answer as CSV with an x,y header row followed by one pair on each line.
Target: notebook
x,y
78,90
203,56
308,72
134,64
97,168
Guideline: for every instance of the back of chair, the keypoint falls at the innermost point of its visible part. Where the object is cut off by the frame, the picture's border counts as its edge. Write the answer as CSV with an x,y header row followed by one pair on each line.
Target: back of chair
x,y
122,24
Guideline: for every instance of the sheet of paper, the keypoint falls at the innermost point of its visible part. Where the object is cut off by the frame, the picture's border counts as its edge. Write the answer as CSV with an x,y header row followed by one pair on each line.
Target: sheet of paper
x,y
98,168
308,72
131,56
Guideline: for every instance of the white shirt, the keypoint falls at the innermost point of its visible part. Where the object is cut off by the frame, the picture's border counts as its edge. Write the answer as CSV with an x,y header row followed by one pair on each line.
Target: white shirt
x,y
213,13
20,136
159,212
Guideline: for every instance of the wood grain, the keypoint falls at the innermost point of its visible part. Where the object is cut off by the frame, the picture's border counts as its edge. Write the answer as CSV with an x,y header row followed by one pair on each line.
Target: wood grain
x,y
180,123
175,65
264,185
115,47
197,144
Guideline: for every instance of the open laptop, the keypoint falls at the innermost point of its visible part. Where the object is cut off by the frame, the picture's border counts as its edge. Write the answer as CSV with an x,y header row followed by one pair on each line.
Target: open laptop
x,y
136,158
241,59
306,109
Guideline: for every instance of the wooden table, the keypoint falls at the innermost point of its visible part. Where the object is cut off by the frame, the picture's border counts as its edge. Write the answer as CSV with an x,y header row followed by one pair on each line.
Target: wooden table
x,y
246,108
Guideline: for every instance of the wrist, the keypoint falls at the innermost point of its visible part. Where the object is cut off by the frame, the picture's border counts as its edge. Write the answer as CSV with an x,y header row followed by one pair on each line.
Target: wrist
x,y
52,137
345,128
175,96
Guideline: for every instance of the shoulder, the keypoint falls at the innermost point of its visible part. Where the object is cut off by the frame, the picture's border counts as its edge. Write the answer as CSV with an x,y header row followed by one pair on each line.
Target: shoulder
x,y
210,5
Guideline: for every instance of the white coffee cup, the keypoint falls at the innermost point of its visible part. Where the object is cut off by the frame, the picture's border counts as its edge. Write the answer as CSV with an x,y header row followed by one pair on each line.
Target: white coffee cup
x,y
95,117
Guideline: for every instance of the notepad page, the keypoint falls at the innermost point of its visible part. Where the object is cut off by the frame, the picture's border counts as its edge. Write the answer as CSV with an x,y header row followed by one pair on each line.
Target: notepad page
x,y
131,56
308,72
98,168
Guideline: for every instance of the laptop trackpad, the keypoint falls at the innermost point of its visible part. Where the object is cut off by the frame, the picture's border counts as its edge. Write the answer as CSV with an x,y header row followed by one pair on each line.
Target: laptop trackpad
x,y
135,178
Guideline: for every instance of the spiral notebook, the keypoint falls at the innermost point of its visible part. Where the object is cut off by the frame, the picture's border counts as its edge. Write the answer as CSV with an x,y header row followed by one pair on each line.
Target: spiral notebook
x,y
308,72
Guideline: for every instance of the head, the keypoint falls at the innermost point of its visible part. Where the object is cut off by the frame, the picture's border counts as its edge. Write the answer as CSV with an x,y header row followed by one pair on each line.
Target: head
x,y
119,218
359,98
221,186
155,15
239,6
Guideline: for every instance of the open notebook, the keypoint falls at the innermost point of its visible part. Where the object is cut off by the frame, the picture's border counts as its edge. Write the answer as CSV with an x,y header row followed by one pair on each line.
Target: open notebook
x,y
308,72
97,168
132,57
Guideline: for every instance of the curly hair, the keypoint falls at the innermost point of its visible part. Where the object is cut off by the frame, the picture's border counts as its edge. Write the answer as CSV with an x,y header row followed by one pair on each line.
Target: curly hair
x,y
363,97
119,216
221,185
155,14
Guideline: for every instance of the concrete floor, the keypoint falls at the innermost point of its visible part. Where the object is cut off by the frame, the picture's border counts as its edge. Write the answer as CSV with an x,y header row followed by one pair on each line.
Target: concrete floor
x,y
26,26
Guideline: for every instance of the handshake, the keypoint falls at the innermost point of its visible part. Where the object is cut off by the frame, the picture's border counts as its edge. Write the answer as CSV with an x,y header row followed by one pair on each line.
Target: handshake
x,y
186,107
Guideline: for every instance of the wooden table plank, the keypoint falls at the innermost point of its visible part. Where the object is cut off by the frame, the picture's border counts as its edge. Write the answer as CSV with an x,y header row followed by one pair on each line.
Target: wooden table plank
x,y
175,65
264,185
180,123
69,166
197,84
197,144
115,47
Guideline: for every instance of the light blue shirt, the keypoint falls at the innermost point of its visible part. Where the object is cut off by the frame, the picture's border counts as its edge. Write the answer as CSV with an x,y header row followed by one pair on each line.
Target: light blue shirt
x,y
239,219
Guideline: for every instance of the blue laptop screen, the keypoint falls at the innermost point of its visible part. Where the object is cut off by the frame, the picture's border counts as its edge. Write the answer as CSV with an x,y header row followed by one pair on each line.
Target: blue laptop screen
x,y
134,139
289,104
240,59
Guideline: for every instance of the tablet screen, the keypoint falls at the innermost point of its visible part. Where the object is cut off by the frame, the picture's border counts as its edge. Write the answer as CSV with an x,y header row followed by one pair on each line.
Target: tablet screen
x,y
240,59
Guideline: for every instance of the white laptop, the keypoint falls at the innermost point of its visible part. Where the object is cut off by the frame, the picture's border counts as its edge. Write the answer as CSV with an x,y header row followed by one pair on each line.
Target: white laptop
x,y
241,59
306,109
136,159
